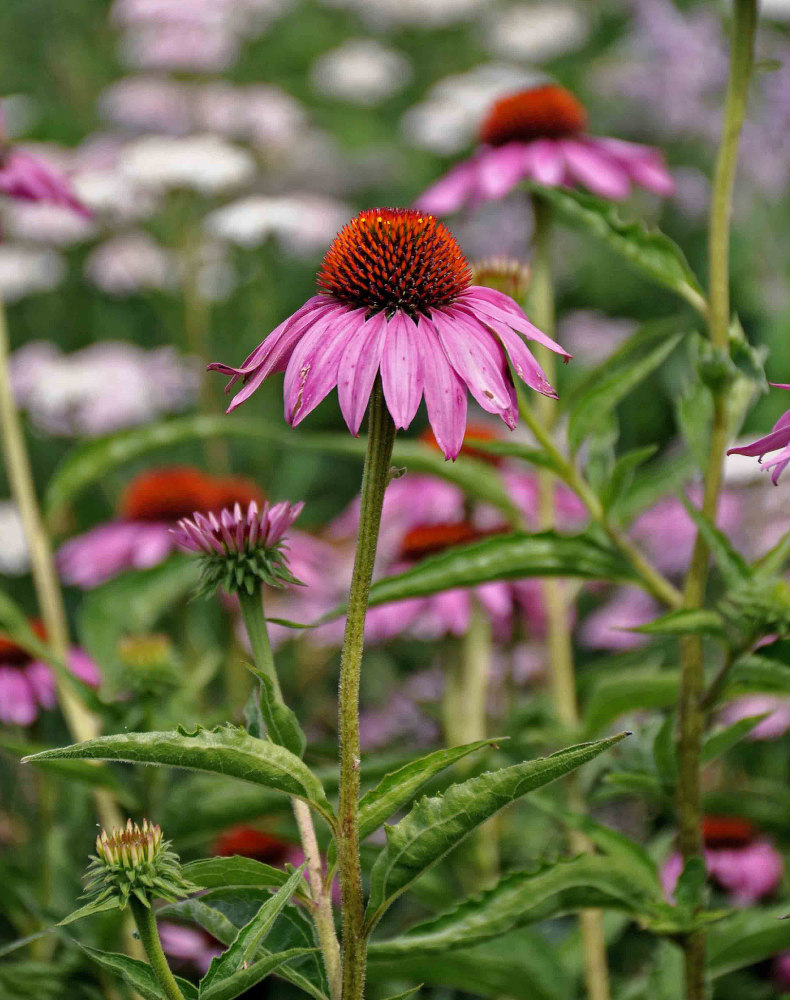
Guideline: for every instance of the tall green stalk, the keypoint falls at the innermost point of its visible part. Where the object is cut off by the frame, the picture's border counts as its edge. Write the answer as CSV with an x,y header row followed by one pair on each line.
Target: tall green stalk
x,y
560,648
145,920
381,435
691,710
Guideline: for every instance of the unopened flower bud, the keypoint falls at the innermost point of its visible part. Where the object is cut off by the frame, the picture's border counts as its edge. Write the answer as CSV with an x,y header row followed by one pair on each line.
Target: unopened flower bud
x,y
504,274
135,861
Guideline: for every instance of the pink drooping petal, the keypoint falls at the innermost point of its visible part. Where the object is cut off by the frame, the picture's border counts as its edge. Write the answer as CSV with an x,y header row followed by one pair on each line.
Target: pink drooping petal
x,y
770,442
524,364
499,169
644,165
358,367
17,700
445,395
401,369
501,307
545,162
447,195
313,367
595,169
476,356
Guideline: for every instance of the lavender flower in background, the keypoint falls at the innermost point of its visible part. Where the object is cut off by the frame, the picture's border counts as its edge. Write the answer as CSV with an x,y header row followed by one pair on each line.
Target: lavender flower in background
x,y
361,71
148,104
607,627
592,336
131,263
189,946
43,222
776,709
101,388
413,13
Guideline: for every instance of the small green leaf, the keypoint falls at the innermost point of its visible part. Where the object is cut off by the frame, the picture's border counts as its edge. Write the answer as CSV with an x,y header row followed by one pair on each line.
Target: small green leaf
x,y
665,752
436,825
526,897
623,473
600,399
139,975
282,725
629,691
775,559
504,557
243,980
719,742
627,783
649,250
686,621
691,885
242,951
217,873
757,673
227,750
732,566
88,910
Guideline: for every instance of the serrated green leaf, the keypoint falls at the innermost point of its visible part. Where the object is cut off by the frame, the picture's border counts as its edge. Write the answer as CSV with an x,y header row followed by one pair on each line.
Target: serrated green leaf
x,y
629,691
504,557
227,750
222,872
649,250
436,825
686,621
600,400
139,975
91,461
747,937
521,898
242,951
719,742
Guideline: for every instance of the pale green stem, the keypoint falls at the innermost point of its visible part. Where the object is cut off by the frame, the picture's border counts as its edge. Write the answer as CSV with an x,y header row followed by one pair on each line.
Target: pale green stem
x,y
82,724
323,918
692,681
381,435
145,920
558,618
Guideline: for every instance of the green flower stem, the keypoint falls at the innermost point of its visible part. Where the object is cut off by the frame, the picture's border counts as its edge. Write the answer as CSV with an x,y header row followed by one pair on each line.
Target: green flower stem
x,y
82,724
691,710
323,918
149,935
560,648
652,580
381,435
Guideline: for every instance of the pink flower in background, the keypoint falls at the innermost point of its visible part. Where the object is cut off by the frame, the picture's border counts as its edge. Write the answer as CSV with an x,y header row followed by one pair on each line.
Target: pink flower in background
x,y
149,508
782,970
772,727
396,300
27,685
777,441
746,866
189,945
607,626
539,134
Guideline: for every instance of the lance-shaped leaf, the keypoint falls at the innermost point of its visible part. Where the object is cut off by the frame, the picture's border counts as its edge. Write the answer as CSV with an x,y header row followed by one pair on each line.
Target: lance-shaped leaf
x,y
226,750
242,951
221,873
747,937
137,974
436,825
686,621
94,460
504,557
649,250
757,673
732,566
243,980
719,742
526,897
600,400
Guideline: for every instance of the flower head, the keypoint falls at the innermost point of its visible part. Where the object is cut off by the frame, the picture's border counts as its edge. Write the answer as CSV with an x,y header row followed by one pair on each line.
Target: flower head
x,y
397,301
777,441
240,550
248,842
135,861
539,134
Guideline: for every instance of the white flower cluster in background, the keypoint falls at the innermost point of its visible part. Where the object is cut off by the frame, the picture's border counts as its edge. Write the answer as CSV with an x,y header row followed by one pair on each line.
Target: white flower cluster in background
x,y
14,553
361,71
203,163
28,270
415,13
535,32
303,223
101,388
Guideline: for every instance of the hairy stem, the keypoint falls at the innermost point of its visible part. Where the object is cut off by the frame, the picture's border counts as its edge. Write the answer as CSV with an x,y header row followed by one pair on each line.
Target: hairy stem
x,y
692,681
149,935
255,624
381,435
560,648
82,724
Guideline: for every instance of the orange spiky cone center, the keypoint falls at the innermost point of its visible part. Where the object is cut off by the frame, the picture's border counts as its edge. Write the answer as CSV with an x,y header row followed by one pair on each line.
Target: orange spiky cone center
x,y
545,112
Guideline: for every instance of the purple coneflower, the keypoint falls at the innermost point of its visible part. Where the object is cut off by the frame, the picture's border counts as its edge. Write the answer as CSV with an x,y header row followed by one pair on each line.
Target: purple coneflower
x,y
778,440
539,134
240,549
396,299
25,176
